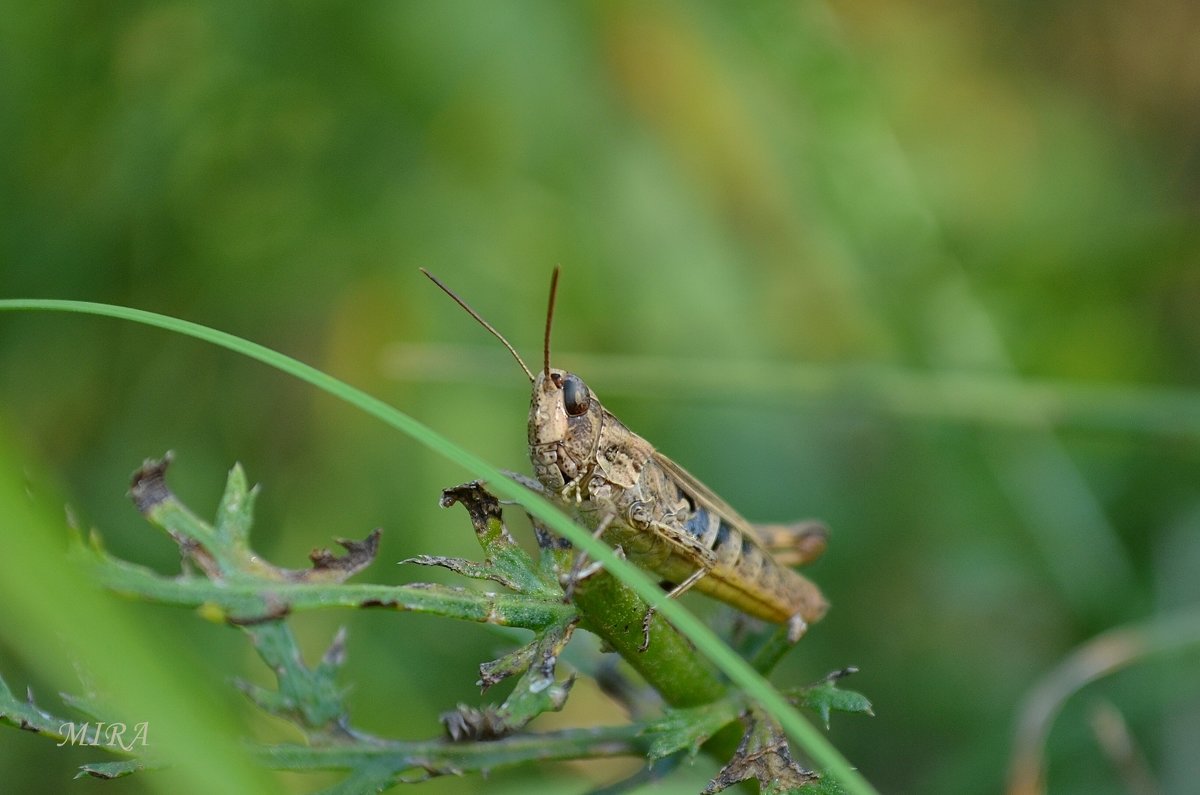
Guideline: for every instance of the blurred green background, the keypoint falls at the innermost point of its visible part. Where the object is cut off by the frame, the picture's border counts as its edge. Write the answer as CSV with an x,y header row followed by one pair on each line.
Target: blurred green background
x,y
929,272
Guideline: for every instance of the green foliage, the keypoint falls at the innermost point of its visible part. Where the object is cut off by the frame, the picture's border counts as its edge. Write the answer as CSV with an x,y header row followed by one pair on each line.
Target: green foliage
x,y
65,625
689,728
825,697
241,587
504,561
26,716
620,634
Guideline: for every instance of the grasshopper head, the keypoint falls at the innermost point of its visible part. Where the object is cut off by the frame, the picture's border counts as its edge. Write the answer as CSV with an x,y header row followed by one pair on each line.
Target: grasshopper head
x,y
564,426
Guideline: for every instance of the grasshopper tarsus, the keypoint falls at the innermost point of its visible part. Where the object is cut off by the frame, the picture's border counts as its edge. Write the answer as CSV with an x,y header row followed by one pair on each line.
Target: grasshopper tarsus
x,y
646,631
674,593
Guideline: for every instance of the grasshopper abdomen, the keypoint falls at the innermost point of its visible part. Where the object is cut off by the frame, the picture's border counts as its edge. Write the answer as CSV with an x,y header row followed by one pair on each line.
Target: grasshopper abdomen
x,y
740,570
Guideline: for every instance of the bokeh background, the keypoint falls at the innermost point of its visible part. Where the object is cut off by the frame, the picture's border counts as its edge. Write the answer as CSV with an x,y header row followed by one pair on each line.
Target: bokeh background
x,y
928,271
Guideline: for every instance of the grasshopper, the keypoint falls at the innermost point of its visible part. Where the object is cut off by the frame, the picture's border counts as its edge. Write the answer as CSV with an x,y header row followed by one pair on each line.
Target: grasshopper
x,y
652,510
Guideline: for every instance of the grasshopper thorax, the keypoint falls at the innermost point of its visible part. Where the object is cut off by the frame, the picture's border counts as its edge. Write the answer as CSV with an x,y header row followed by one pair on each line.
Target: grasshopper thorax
x,y
565,423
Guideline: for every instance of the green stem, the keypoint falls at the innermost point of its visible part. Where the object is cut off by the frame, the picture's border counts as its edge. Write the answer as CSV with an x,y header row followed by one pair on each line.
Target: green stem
x,y
472,756
670,664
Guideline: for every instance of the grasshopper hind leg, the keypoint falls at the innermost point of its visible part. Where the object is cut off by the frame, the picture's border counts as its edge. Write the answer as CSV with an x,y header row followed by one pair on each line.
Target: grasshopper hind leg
x,y
795,544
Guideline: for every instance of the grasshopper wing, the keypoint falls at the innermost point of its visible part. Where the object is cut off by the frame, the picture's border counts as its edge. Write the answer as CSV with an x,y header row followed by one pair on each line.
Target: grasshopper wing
x,y
705,497
793,544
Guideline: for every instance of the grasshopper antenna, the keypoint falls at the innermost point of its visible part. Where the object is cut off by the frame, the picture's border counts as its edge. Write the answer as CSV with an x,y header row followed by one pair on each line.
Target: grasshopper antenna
x,y
550,317
483,322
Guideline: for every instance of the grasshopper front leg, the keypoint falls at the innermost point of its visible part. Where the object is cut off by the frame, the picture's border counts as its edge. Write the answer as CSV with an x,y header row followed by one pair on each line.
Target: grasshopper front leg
x,y
577,572
677,591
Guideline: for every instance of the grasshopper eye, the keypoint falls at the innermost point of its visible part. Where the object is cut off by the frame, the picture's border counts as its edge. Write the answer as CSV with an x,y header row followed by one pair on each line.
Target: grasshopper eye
x,y
576,397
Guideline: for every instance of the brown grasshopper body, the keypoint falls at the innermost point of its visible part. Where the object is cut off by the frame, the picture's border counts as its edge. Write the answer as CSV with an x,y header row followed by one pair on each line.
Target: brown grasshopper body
x,y
661,517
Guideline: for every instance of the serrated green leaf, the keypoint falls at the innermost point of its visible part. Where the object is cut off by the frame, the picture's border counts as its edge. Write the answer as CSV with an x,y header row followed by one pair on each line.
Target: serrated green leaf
x,y
247,602
690,727
826,697
514,662
504,560
537,691
26,715
826,785
310,696
110,770
235,514
222,552
488,570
